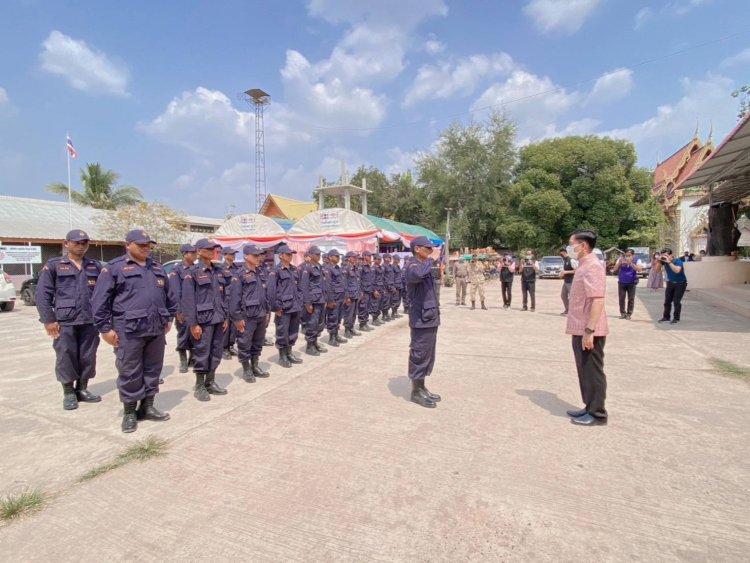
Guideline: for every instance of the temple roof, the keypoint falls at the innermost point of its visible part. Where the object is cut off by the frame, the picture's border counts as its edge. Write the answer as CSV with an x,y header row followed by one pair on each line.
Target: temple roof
x,y
679,166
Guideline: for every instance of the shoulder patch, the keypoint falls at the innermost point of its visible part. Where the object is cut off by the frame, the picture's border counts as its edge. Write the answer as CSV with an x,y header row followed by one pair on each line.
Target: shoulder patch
x,y
188,277
105,269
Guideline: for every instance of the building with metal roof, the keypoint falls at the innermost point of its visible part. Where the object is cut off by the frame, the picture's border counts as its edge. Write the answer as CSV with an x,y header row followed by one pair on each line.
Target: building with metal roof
x,y
280,207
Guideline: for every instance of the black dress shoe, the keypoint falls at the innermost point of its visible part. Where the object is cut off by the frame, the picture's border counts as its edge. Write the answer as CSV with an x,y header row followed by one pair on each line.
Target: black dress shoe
x,y
588,420
674,321
576,414
663,320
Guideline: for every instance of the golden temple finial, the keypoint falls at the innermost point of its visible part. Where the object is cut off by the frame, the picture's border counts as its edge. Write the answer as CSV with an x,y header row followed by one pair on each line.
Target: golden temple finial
x,y
697,128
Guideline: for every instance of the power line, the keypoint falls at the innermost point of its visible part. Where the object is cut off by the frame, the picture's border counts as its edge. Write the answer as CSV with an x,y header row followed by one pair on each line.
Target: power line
x,y
529,96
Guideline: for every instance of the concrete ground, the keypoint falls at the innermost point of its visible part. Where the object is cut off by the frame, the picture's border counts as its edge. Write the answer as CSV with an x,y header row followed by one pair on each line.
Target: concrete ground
x,y
329,461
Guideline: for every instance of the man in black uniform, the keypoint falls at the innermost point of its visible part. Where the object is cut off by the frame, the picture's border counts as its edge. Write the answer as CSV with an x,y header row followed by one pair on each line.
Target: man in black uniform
x,y
205,308
352,295
398,284
369,291
568,271
379,284
284,300
424,320
175,281
312,287
231,269
63,299
133,308
335,284
248,308
389,288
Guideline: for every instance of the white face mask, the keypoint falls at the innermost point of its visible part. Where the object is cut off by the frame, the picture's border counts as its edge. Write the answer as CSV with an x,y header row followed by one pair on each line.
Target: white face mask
x,y
572,252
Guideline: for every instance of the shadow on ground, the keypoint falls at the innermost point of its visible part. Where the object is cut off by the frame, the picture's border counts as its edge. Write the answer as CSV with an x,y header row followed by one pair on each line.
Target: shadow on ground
x,y
548,401
400,387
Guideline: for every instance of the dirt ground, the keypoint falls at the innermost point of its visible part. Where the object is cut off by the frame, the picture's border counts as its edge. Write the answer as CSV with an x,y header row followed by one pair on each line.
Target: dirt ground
x,y
329,461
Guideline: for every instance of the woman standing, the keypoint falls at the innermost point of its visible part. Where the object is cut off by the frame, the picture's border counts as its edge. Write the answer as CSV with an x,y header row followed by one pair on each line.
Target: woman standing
x,y
655,275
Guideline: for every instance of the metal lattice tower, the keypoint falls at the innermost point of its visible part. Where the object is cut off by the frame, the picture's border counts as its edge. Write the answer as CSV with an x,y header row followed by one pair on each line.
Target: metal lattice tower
x,y
260,100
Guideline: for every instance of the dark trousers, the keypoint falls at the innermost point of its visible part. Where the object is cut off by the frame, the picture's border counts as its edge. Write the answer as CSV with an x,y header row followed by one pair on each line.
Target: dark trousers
x,y
674,293
506,287
207,351
422,352
229,337
591,377
565,294
250,342
375,305
76,352
183,336
363,312
333,316
528,288
624,289
385,301
139,361
314,322
349,313
396,300
287,329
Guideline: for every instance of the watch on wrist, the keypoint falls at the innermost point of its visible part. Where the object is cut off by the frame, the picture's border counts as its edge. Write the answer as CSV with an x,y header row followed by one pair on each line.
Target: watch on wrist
x,y
589,330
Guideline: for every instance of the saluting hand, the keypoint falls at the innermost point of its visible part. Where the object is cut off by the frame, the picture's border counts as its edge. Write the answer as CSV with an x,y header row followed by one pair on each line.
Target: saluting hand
x,y
111,338
196,331
53,330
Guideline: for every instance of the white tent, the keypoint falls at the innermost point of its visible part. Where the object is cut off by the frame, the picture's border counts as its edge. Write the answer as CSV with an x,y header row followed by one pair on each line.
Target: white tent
x,y
250,228
334,228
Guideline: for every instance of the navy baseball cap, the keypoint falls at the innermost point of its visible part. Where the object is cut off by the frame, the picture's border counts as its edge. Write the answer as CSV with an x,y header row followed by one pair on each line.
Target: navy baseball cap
x,y
284,249
334,252
228,250
351,254
396,257
377,256
77,235
187,248
367,253
139,236
421,241
387,256
252,249
205,244
313,250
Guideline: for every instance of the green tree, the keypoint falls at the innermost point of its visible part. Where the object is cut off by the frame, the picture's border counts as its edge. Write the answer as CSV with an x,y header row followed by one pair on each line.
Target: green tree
x,y
744,96
580,182
99,189
470,170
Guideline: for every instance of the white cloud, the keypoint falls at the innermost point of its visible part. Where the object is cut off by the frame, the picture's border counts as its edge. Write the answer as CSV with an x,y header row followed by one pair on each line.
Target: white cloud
x,y
4,99
534,102
585,126
83,67
400,161
406,13
741,58
682,7
612,86
565,16
643,16
672,125
433,47
446,79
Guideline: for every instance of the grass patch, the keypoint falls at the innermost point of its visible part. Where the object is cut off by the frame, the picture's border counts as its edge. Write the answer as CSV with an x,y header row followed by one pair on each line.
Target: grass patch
x,y
140,451
26,502
731,370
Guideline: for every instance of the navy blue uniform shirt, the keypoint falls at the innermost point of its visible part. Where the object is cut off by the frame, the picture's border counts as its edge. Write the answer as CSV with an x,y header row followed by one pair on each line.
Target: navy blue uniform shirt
x,y
132,298
312,284
424,308
175,281
63,292
248,298
203,299
282,289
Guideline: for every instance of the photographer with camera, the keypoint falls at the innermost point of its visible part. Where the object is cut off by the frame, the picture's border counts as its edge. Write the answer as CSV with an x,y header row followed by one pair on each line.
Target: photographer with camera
x,y
676,286
529,269
627,268
507,268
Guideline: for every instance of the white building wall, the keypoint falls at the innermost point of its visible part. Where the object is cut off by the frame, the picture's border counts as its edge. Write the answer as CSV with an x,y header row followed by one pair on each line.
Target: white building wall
x,y
690,220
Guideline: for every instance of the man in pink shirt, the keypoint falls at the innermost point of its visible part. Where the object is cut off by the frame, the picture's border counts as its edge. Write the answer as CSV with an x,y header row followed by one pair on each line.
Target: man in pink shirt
x,y
587,324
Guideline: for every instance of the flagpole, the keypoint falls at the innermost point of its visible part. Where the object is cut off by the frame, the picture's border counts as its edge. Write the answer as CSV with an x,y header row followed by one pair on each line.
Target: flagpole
x,y
70,196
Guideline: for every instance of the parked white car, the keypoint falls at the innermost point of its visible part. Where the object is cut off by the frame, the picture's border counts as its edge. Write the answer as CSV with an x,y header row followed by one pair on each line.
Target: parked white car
x,y
7,293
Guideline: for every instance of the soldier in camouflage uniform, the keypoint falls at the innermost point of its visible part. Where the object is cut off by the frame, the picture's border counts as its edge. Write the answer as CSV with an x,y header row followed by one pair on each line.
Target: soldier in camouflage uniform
x,y
476,276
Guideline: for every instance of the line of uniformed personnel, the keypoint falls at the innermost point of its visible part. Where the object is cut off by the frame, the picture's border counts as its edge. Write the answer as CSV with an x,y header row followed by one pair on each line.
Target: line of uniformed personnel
x,y
131,302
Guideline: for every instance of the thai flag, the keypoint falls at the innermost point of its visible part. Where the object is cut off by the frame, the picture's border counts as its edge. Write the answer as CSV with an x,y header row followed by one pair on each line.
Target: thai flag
x,y
71,149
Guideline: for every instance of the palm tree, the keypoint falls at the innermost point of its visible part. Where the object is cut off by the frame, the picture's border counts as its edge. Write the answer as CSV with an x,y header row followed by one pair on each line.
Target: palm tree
x,y
98,189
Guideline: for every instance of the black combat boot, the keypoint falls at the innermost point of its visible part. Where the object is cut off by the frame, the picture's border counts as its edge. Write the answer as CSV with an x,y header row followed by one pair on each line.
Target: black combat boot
x,y
322,349
376,321
83,394
129,418
284,359
340,339
70,399
351,333
211,386
247,372
483,306
419,396
147,411
332,340
257,370
183,361
386,317
191,360
311,349
294,358
434,396
199,391
473,304
395,314
226,354
364,327
268,342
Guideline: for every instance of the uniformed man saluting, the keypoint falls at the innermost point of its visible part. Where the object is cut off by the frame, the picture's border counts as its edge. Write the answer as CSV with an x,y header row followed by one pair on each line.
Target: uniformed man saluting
x,y
424,319
133,307
249,310
205,308
63,299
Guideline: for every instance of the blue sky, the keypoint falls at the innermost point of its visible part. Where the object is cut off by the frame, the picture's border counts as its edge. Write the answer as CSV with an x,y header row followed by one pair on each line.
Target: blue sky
x,y
153,91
